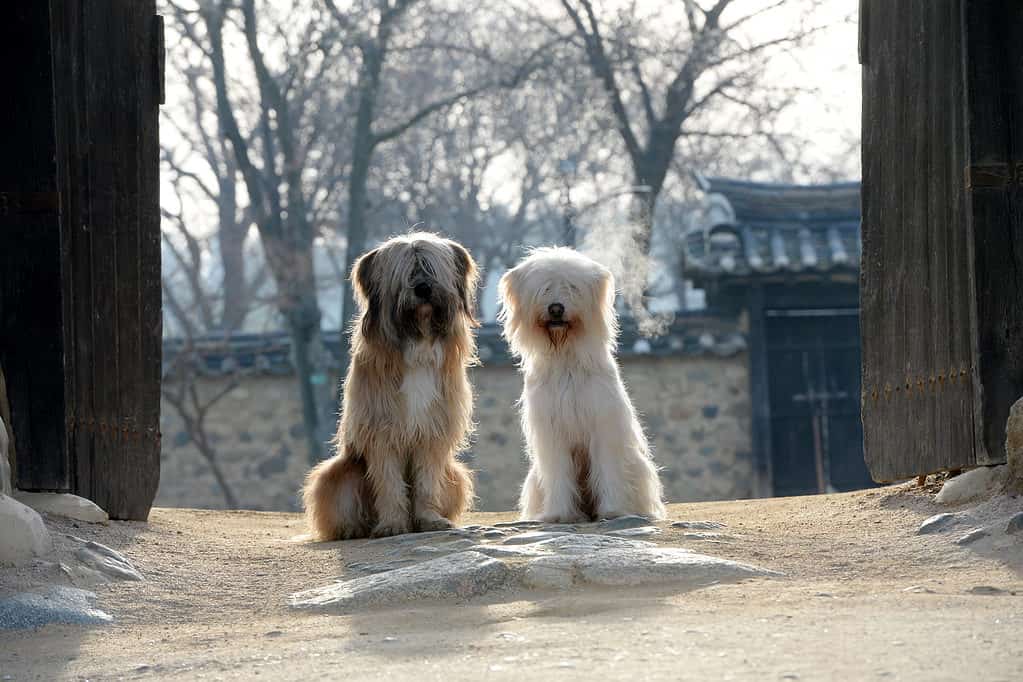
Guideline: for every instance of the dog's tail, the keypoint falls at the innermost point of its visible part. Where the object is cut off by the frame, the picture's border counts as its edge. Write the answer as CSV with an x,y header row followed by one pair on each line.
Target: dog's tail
x,y
462,492
337,499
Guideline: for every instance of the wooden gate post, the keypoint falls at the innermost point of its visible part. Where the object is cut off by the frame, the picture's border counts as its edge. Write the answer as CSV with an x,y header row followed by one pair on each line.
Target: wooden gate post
x,y
942,267
80,322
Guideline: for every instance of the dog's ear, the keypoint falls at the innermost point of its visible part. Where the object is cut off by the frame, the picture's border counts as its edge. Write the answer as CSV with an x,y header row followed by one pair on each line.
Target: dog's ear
x,y
362,275
467,279
506,287
605,287
367,295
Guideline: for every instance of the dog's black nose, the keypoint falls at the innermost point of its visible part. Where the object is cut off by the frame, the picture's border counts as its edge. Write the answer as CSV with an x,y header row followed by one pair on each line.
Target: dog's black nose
x,y
423,290
556,311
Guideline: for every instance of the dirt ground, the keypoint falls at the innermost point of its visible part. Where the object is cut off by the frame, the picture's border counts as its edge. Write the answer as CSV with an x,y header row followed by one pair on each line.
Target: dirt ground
x,y
864,598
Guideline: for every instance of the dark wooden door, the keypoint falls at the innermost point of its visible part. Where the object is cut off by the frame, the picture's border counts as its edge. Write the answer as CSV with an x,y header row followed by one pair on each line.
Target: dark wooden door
x,y
942,264
80,320
813,367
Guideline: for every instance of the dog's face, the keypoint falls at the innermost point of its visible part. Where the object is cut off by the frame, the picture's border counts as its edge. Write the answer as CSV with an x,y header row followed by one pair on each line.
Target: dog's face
x,y
415,287
556,298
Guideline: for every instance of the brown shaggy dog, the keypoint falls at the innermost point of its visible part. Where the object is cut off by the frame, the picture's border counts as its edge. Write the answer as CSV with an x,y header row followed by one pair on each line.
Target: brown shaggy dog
x,y
407,400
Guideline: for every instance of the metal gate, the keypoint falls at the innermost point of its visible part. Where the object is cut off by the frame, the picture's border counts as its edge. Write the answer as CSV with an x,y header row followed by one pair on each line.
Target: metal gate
x,y
813,365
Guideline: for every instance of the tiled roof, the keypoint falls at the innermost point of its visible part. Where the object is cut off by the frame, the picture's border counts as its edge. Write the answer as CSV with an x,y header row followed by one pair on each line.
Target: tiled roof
x,y
750,229
270,354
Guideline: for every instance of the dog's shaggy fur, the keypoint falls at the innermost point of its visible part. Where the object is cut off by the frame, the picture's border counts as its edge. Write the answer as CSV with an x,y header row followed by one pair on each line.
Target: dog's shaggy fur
x,y
589,456
407,400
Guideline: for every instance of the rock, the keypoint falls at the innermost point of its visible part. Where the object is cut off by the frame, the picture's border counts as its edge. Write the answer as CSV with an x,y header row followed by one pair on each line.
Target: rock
x,y
979,482
623,523
631,567
531,537
717,538
1014,447
1015,524
589,544
416,538
458,576
63,504
510,551
381,566
54,604
23,535
698,525
972,536
986,590
642,532
518,524
5,464
108,562
936,523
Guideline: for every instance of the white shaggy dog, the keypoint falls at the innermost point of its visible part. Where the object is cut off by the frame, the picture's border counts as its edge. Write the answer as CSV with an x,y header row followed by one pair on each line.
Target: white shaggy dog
x,y
589,456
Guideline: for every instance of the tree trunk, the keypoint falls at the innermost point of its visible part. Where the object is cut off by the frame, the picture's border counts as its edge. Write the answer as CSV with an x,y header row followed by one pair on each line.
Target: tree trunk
x,y
231,238
358,233
292,265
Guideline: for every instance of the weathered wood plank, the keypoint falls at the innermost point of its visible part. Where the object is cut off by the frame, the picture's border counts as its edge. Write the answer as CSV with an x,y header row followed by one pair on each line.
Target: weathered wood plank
x,y
994,122
31,343
917,403
119,120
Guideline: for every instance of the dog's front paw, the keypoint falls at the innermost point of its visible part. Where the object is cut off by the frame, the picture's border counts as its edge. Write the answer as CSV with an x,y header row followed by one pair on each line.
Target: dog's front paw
x,y
433,523
386,530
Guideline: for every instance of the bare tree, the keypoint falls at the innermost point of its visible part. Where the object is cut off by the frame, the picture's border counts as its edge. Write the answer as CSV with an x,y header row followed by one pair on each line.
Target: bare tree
x,y
181,390
276,122
662,80
392,28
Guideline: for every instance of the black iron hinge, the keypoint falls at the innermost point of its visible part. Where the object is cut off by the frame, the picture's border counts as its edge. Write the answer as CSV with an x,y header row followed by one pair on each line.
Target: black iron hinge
x,y
993,176
22,203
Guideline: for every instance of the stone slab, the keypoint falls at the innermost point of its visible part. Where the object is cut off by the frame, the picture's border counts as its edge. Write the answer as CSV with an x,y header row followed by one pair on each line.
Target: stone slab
x,y
632,567
65,505
55,604
457,576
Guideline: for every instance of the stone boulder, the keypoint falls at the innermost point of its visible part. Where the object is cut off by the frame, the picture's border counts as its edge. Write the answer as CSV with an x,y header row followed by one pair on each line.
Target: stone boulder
x,y
458,576
632,567
53,604
63,504
536,557
1014,448
23,535
5,464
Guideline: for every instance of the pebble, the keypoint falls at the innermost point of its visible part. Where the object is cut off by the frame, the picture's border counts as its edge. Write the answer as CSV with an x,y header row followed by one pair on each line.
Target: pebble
x,y
623,523
532,536
108,562
1015,524
986,590
698,525
642,532
972,536
936,523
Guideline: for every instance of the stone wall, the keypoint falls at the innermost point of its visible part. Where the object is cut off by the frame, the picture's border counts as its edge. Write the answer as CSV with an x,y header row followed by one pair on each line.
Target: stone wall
x,y
695,410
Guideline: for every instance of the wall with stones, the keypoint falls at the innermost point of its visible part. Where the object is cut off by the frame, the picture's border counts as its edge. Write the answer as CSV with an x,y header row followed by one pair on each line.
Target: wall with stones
x,y
695,410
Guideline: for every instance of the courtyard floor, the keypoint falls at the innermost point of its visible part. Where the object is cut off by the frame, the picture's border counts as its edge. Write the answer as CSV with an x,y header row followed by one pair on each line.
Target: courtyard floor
x,y
863,597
